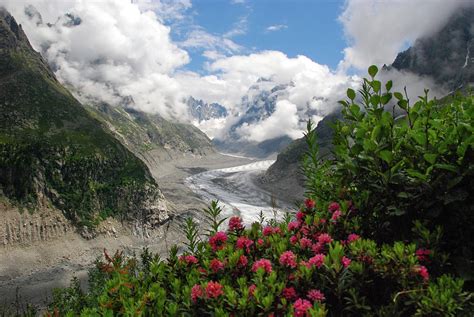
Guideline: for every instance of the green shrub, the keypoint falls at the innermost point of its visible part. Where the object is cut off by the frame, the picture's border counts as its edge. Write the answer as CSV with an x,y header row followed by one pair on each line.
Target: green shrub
x,y
401,162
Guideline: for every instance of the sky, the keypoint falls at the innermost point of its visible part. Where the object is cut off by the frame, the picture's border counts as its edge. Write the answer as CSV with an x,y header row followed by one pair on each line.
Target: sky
x,y
161,52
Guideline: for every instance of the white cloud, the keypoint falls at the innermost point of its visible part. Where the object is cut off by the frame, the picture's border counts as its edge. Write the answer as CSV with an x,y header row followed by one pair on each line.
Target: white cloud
x,y
378,29
276,27
116,51
239,28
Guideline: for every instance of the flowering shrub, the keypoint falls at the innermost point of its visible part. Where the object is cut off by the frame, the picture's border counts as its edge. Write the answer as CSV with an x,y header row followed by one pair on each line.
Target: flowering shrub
x,y
334,272
334,257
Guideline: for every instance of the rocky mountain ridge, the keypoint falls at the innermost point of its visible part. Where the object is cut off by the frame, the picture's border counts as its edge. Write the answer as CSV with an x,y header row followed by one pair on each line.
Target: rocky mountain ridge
x,y
54,154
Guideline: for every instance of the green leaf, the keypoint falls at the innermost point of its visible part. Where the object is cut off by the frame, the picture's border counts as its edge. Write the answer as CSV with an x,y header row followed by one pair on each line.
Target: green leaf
x,y
386,98
376,85
403,104
448,167
375,100
419,137
416,174
398,95
373,70
386,155
430,158
351,94
388,85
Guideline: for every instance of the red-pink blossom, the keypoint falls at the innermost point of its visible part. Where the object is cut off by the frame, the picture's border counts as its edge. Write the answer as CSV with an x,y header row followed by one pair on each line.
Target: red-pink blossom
x,y
218,241
267,231
289,293
252,289
324,238
242,261
353,237
293,239
216,265
262,263
336,215
333,207
301,307
305,243
423,254
317,248
317,260
288,259
300,216
196,292
292,226
244,242
309,203
188,259
260,242
346,261
423,272
316,295
235,224
214,289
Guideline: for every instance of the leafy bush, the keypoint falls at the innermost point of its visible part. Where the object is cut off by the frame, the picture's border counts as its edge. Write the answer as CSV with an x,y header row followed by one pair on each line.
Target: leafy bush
x,y
315,265
401,162
394,176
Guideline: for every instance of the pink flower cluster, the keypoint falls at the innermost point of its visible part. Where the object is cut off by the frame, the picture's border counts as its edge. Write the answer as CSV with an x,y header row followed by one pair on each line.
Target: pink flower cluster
x,y
268,230
301,307
346,261
216,265
316,295
218,241
288,259
262,263
289,293
243,243
317,260
423,272
188,259
353,237
423,255
309,203
214,289
235,224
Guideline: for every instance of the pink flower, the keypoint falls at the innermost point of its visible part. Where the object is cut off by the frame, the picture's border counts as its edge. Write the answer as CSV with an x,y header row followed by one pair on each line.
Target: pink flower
x,y
216,265
305,230
289,293
235,224
333,207
324,238
252,289
214,289
309,203
305,243
346,261
300,216
423,254
307,264
288,259
260,242
293,239
317,260
244,242
242,261
292,226
336,215
196,292
317,248
262,263
353,237
218,241
188,259
423,272
301,307
316,295
267,231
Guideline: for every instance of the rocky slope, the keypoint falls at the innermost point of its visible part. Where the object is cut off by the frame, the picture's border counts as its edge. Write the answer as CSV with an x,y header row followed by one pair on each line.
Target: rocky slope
x,y
150,136
201,111
285,176
54,154
447,56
